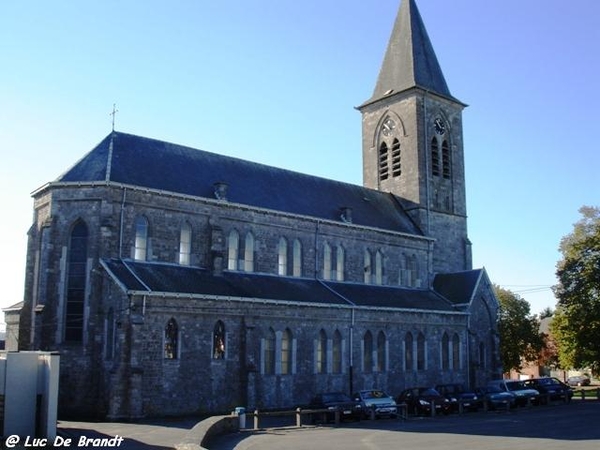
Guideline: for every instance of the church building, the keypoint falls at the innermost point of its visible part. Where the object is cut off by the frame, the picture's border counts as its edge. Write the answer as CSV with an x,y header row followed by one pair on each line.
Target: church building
x,y
175,281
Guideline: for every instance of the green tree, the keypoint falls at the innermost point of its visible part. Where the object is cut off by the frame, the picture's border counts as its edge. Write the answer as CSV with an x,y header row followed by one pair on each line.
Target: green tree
x,y
576,324
520,338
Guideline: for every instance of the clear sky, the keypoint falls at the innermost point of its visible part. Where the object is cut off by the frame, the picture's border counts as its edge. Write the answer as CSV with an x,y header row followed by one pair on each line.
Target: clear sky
x,y
276,81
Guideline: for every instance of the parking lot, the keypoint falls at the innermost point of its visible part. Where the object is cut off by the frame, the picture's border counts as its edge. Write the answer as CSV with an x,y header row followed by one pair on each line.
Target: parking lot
x,y
557,426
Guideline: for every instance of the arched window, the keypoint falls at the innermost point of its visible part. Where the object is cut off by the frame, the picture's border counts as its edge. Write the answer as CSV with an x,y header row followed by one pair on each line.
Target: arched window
x,y
368,352
368,270
408,352
141,239
286,352
455,352
383,162
340,256
297,263
409,271
171,340
326,261
337,352
249,253
219,341
482,359
381,352
421,352
282,257
185,244
396,159
445,352
233,249
322,352
269,353
378,268
435,158
445,160
76,281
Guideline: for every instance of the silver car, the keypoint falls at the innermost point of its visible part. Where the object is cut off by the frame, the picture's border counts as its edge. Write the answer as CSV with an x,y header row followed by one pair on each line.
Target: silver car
x,y
377,401
523,394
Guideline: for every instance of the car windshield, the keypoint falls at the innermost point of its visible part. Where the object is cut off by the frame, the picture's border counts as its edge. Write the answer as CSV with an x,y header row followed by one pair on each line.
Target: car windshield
x,y
515,385
429,391
373,394
335,397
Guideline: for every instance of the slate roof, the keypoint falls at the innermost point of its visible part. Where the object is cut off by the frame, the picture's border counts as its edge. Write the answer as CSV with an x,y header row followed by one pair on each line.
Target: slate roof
x,y
170,279
458,287
149,163
410,60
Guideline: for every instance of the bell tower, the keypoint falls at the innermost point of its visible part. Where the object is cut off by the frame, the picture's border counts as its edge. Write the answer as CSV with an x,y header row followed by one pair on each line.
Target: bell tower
x,y
413,142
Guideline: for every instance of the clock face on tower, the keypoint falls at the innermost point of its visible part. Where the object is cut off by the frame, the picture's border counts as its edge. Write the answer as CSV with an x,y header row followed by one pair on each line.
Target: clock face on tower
x,y
388,127
439,126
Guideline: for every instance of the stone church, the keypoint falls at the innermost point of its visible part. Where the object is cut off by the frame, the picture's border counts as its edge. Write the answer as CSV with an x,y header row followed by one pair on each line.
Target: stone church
x,y
176,281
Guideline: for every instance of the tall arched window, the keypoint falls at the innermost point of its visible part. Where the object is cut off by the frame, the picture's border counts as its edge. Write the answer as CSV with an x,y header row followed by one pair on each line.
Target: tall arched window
x,y
233,250
421,352
408,352
282,257
326,261
368,352
381,352
445,160
297,263
482,358
337,352
383,162
435,158
368,270
445,352
171,339
286,352
185,244
249,253
141,239
269,353
378,268
396,159
219,340
322,352
340,263
455,352
76,281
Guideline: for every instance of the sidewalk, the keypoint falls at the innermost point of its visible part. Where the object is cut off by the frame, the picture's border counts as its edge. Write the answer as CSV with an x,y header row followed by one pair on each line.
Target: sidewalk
x,y
141,435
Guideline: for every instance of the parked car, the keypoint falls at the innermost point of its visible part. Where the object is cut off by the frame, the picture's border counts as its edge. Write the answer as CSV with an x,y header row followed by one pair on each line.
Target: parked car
x,y
419,401
496,398
457,393
550,388
381,403
578,380
523,394
335,401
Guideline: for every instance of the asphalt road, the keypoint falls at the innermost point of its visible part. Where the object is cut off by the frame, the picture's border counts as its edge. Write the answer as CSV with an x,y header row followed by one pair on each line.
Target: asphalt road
x,y
559,426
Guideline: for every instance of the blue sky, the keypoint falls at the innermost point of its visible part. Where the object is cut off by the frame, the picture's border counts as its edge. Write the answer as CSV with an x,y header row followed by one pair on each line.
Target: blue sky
x,y
276,81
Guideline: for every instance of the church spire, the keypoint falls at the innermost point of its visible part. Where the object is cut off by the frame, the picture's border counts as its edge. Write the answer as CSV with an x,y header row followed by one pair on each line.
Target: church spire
x,y
410,60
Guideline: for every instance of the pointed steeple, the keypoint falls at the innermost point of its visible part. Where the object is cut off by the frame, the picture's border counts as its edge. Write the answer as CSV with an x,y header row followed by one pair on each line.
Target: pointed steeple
x,y
409,60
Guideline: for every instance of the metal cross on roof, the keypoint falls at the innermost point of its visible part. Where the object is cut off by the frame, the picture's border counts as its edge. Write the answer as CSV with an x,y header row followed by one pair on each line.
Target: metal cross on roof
x,y
113,114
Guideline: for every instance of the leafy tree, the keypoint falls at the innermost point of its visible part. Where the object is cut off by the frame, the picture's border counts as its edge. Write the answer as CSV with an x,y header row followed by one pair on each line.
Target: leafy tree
x,y
520,338
576,324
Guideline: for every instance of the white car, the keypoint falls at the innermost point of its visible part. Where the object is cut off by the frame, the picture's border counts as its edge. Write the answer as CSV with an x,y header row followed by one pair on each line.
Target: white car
x,y
381,403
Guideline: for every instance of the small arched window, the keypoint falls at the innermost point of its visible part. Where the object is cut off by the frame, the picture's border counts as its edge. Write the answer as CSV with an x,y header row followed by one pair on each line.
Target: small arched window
x,y
378,268
368,270
408,352
219,340
141,239
368,352
340,263
445,352
269,353
445,160
421,352
171,339
337,352
286,352
282,257
233,249
249,253
326,261
185,244
435,158
322,352
455,352
396,159
381,352
297,263
383,162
